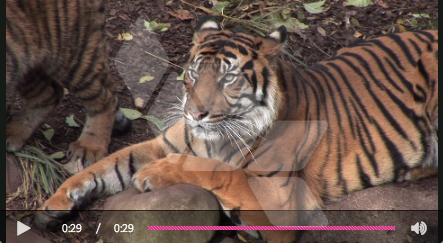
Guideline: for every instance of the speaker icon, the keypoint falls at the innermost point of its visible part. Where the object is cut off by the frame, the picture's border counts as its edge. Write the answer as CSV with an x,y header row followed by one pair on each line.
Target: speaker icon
x,y
422,228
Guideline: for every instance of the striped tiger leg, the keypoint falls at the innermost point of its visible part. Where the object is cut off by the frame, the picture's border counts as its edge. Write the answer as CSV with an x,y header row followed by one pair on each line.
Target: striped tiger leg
x,y
101,106
41,95
109,176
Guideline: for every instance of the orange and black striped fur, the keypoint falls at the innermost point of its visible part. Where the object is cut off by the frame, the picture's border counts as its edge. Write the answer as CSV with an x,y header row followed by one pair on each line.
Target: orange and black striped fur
x,y
262,135
54,44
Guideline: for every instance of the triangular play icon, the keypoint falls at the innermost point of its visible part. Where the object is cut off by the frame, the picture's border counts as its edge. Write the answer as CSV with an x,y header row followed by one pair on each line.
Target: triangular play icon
x,y
22,228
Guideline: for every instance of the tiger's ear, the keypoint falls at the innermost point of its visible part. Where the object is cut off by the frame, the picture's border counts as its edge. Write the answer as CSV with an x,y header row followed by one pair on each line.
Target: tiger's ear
x,y
205,26
272,44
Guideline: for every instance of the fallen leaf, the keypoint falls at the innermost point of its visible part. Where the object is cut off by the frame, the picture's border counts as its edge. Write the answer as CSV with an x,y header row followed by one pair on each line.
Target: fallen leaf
x,y
131,114
71,122
146,79
125,37
421,15
315,7
262,7
182,14
413,22
47,132
355,22
182,76
219,7
321,31
159,123
381,3
240,237
357,34
154,26
399,25
359,3
139,102
292,25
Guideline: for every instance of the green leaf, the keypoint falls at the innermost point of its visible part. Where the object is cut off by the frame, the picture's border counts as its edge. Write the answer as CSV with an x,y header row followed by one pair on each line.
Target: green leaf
x,y
71,122
220,7
159,123
154,26
146,79
359,3
413,22
291,24
355,22
48,132
58,155
315,7
182,76
131,114
421,15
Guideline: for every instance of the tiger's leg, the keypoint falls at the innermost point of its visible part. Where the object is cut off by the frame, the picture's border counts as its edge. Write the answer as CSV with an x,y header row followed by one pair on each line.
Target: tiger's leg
x,y
230,185
97,94
106,177
41,95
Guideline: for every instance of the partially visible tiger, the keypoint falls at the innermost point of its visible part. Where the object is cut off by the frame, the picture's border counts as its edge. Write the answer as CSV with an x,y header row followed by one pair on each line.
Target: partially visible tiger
x,y
262,135
53,44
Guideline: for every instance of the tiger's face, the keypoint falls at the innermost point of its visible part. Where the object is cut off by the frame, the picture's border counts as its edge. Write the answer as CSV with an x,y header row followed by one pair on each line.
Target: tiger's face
x,y
231,87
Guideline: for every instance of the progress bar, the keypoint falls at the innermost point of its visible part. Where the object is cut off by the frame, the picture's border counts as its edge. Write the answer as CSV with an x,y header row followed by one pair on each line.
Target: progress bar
x,y
271,227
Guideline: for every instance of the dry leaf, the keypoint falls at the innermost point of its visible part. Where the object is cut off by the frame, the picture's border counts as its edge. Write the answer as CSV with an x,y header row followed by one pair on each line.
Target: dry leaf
x,y
358,3
321,31
139,102
381,3
125,37
182,14
399,25
145,79
262,7
357,34
240,237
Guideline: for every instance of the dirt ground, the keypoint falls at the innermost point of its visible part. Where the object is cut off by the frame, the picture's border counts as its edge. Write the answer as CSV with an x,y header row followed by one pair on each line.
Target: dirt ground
x,y
327,32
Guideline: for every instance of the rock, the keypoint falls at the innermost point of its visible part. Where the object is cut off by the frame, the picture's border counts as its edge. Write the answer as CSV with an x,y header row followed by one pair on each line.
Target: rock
x,y
418,195
176,199
28,236
14,174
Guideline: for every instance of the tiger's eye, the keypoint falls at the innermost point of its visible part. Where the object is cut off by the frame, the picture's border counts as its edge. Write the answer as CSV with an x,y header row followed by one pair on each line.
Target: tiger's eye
x,y
230,77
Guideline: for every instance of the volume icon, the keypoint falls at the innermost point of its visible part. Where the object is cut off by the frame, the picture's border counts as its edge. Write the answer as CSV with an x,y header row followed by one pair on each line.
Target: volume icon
x,y
422,228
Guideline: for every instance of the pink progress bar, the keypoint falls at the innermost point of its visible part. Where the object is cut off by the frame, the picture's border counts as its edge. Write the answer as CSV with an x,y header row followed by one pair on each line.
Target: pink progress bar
x,y
271,227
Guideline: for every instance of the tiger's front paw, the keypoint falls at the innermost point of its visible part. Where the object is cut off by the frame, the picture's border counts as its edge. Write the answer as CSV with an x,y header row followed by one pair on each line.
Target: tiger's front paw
x,y
86,151
54,212
157,175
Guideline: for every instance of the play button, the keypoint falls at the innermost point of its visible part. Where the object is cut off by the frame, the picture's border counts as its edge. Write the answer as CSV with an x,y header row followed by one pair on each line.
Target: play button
x,y
22,228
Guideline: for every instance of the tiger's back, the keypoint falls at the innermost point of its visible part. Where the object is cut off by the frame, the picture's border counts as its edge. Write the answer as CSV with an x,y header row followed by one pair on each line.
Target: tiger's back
x,y
54,44
381,102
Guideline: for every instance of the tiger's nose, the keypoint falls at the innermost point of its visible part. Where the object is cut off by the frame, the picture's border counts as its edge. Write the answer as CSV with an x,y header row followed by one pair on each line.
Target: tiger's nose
x,y
197,114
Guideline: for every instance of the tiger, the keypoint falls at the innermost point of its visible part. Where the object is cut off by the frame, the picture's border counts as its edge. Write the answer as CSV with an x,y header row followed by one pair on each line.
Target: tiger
x,y
263,135
52,45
